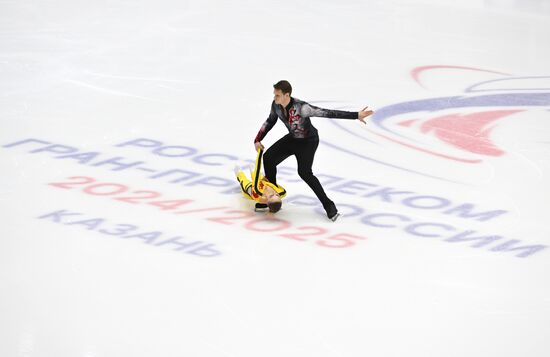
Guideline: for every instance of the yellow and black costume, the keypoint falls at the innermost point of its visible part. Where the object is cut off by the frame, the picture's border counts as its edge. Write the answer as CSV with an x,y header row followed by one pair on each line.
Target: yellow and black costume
x,y
258,183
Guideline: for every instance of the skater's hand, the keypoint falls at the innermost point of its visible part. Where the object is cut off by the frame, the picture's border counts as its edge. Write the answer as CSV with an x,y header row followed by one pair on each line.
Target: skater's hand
x,y
258,145
363,114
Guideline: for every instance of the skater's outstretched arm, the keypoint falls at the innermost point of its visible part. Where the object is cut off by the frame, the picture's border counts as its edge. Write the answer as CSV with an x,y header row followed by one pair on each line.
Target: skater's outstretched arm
x,y
257,170
257,178
309,110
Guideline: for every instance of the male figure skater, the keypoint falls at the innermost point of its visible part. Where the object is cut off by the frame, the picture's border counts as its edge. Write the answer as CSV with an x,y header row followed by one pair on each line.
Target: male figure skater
x,y
302,139
266,194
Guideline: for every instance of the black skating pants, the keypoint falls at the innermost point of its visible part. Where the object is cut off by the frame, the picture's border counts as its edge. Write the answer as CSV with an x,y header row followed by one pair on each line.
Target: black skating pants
x,y
304,150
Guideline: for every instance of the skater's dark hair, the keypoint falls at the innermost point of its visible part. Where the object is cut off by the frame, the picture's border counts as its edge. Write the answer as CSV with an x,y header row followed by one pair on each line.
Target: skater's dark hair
x,y
283,86
274,207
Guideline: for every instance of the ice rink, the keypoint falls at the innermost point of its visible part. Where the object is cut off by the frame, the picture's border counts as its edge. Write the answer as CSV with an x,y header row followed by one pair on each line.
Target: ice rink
x,y
123,230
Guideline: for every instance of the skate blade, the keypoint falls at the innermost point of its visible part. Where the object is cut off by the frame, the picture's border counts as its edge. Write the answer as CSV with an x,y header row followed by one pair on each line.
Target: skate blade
x,y
335,217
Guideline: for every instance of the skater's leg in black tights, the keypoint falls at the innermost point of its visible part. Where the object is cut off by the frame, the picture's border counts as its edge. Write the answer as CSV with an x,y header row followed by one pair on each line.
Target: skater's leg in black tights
x,y
276,154
305,155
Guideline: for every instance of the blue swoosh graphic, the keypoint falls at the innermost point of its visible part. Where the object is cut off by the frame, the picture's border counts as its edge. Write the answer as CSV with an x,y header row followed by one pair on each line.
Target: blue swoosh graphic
x,y
441,103
434,104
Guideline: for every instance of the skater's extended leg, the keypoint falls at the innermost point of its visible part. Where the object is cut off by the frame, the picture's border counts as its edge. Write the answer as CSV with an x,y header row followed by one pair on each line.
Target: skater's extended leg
x,y
245,183
305,157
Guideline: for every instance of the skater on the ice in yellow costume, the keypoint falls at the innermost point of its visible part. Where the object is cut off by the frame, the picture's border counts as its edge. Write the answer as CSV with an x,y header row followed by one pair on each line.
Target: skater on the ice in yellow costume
x,y
259,189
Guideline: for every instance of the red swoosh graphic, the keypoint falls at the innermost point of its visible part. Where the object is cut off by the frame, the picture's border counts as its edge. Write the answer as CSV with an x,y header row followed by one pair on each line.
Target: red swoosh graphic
x,y
425,150
468,132
415,72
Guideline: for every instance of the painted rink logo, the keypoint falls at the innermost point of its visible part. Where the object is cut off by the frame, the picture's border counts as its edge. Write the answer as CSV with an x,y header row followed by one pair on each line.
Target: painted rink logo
x,y
457,129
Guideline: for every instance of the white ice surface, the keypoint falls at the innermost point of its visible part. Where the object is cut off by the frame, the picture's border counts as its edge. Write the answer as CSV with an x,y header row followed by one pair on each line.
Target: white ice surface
x,y
91,75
